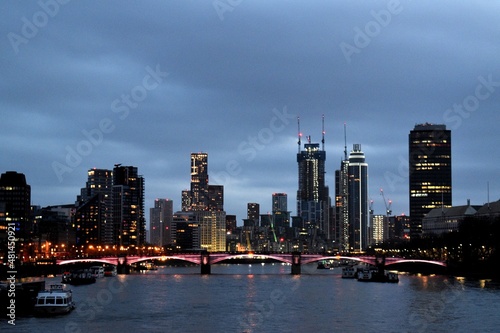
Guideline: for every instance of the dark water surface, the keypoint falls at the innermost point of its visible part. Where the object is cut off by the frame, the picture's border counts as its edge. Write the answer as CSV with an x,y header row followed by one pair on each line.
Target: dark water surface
x,y
266,298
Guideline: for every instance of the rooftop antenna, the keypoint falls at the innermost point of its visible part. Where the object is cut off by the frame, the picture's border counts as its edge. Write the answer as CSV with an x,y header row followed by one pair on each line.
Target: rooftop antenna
x,y
345,142
298,132
323,132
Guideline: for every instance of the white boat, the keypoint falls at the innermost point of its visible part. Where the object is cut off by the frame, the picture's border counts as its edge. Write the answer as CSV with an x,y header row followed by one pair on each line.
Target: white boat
x,y
97,271
365,275
56,300
374,275
349,272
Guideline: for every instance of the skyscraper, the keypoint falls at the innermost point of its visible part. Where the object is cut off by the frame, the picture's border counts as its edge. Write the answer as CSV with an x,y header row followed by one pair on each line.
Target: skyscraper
x,y
341,230
215,202
160,225
253,212
358,199
94,222
212,230
199,181
313,201
429,172
128,206
281,216
206,202
15,198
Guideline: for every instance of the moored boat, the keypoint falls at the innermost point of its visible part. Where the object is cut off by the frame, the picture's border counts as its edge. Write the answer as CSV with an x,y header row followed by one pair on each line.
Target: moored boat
x,y
97,271
375,275
78,277
110,271
56,300
323,264
349,272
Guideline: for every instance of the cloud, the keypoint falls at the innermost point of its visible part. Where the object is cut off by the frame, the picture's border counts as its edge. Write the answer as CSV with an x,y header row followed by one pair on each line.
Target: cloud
x,y
226,78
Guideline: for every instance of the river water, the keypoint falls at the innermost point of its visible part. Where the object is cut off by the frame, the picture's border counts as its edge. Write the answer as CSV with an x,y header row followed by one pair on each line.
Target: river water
x,y
267,298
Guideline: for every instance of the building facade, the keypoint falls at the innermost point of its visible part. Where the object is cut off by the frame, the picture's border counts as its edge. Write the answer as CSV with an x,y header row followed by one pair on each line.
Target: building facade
x,y
15,194
358,203
199,182
341,229
206,203
313,200
281,215
128,207
96,198
160,224
430,182
253,212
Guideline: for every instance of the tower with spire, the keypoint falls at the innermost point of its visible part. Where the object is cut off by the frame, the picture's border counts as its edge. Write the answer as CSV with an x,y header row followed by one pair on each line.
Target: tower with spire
x,y
313,201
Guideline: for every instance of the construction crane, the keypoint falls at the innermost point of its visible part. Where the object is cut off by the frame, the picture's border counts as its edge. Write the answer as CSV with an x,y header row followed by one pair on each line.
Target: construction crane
x,y
388,210
271,219
388,229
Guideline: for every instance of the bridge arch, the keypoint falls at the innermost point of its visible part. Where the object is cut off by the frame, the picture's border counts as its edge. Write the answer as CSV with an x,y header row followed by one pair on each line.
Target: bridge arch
x,y
309,259
286,258
422,261
191,259
111,261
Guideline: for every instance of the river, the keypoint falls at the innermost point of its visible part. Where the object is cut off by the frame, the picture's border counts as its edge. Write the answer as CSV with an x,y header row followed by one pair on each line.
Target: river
x,y
267,298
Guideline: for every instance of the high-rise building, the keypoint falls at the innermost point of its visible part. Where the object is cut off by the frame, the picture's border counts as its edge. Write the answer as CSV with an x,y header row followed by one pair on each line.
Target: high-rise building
x,y
15,210
199,181
313,200
206,202
358,203
378,228
215,201
160,223
128,207
280,202
230,223
185,231
253,212
94,209
341,230
212,230
281,216
429,172
185,200
90,220
15,198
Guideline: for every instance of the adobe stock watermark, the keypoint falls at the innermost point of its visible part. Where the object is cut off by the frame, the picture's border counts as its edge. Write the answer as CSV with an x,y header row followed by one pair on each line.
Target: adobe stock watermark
x,y
11,273
434,309
40,19
95,136
88,309
452,117
455,115
265,309
363,37
249,148
223,6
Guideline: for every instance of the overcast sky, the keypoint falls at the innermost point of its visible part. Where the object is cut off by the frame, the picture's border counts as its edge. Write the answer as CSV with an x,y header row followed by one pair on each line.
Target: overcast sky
x,y
145,83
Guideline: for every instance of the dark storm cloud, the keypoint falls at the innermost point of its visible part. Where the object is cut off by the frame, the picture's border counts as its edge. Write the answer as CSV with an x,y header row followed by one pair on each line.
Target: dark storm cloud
x,y
84,72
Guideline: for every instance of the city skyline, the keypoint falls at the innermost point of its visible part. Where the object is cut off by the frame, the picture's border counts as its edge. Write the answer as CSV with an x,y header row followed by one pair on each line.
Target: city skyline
x,y
220,83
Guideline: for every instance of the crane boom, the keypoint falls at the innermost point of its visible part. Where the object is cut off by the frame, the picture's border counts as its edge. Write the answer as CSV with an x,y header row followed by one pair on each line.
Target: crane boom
x,y
388,210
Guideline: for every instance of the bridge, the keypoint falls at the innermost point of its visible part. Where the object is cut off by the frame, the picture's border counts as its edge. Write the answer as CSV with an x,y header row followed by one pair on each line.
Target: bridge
x,y
206,259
